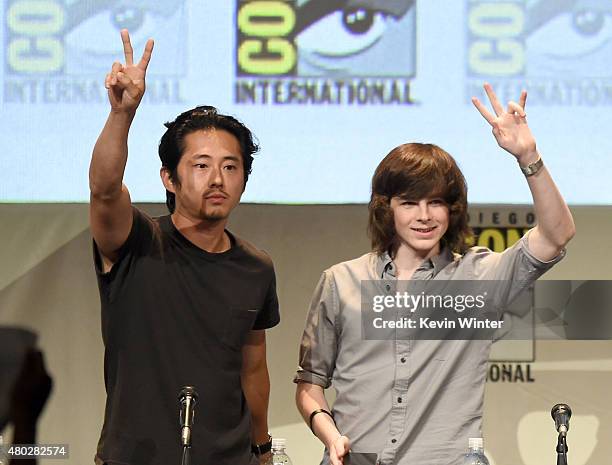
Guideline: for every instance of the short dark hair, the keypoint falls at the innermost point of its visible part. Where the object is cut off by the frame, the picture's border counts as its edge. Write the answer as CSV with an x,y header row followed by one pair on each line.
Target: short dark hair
x,y
172,143
416,171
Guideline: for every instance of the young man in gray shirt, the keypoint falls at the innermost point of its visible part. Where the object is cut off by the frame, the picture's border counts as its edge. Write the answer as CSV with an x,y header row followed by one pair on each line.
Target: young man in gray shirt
x,y
408,401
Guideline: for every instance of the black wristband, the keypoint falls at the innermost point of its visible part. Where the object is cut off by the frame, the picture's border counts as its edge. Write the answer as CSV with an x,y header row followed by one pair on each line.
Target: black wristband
x,y
260,449
320,410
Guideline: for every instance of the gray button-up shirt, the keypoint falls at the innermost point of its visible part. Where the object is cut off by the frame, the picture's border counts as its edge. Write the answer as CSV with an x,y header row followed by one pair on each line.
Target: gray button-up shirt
x,y
407,401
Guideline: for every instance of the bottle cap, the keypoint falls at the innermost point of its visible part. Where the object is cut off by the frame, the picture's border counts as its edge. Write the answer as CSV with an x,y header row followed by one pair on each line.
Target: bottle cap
x,y
475,443
279,443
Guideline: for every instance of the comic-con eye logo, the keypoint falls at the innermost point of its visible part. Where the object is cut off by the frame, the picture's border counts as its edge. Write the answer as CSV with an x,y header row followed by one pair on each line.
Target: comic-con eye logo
x,y
560,50
540,38
58,51
326,37
50,37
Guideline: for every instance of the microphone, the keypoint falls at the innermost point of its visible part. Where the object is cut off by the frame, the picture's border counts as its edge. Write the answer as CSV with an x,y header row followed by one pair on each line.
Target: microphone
x,y
561,413
188,398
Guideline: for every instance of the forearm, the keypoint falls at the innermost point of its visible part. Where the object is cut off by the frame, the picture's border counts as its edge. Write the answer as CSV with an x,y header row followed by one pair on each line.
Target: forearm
x,y
311,397
555,222
110,156
256,388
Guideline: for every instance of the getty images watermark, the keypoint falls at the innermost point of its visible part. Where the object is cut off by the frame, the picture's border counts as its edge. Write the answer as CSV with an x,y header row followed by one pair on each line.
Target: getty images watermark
x,y
404,301
430,309
464,310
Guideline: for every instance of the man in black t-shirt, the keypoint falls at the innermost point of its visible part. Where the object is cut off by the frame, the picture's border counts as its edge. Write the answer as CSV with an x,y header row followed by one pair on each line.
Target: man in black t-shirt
x,y
184,301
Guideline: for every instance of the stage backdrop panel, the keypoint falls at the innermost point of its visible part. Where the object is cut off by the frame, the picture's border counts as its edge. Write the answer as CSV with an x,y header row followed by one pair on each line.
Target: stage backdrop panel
x,y
48,285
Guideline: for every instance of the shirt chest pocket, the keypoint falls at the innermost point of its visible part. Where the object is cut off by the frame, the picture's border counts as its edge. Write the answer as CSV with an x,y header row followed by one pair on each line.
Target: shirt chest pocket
x,y
237,326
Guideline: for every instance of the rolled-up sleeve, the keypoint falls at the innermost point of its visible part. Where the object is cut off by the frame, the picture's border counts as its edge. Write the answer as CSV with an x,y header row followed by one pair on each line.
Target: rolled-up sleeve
x,y
318,348
513,270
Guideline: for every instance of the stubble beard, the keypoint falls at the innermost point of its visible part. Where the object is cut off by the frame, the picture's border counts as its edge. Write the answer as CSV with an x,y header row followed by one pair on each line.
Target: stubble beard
x,y
215,215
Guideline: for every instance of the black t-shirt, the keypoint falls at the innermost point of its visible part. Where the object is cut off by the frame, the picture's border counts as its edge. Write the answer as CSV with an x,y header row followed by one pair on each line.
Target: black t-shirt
x,y
174,315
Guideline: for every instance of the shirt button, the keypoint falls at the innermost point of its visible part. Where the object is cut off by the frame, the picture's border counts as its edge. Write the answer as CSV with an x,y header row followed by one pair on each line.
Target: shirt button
x,y
393,441
399,400
403,359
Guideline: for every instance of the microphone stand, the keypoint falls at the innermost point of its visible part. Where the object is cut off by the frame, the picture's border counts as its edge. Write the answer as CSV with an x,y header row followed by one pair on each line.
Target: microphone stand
x,y
186,459
187,399
561,450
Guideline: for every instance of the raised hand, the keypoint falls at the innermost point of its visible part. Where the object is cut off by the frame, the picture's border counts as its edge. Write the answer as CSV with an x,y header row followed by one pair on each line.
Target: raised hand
x,y
126,83
510,126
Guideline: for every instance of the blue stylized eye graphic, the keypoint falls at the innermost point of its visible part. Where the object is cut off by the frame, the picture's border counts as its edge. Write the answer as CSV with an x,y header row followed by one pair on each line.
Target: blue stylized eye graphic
x,y
342,37
341,28
581,33
93,26
572,38
344,33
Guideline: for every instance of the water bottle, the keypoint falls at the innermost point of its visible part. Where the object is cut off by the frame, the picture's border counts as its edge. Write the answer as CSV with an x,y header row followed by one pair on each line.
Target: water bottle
x,y
2,462
279,456
475,455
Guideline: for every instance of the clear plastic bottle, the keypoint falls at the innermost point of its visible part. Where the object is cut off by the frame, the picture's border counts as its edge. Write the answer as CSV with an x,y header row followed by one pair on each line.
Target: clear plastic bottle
x,y
2,462
279,456
475,455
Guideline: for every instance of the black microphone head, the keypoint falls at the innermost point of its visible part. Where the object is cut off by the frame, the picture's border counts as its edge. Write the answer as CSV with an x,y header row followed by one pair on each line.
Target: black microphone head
x,y
561,413
561,409
188,391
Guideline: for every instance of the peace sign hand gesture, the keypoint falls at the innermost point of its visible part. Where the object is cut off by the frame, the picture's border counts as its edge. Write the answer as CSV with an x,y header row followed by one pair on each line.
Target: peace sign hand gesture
x,y
510,126
126,83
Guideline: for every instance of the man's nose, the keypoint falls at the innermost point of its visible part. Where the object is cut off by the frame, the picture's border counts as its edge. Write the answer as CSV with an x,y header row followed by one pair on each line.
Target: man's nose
x,y
216,177
424,212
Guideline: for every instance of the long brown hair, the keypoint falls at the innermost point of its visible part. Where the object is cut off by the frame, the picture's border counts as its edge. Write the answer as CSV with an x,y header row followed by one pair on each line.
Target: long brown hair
x,y
416,171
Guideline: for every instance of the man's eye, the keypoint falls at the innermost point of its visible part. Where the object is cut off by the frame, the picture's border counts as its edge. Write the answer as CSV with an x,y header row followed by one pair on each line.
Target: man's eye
x,y
230,167
437,202
201,165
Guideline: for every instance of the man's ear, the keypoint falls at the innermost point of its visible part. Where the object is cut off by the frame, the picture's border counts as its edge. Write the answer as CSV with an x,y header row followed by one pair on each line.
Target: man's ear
x,y
164,174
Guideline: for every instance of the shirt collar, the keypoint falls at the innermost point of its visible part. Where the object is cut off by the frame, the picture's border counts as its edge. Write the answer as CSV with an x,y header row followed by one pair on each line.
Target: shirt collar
x,y
385,265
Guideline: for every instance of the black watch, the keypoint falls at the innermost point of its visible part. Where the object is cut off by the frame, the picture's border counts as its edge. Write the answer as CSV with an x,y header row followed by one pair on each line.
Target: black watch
x,y
261,449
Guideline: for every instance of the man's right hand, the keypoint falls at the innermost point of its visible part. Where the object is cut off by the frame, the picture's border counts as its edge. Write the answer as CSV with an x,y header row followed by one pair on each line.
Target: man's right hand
x,y
126,83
